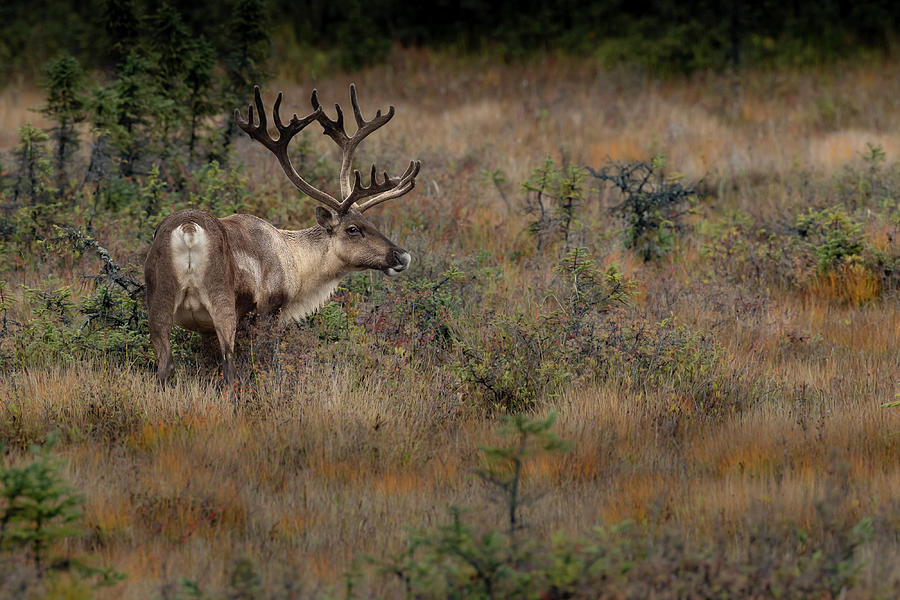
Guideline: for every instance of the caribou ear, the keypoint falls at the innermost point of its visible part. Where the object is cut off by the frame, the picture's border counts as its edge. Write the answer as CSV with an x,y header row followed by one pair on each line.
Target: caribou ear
x,y
326,218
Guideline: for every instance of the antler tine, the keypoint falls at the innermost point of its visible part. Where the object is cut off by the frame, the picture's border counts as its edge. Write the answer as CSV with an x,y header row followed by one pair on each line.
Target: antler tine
x,y
364,127
362,123
388,189
276,113
258,132
334,128
279,147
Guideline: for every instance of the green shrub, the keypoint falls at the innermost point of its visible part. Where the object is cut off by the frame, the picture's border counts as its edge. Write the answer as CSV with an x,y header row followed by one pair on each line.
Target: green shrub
x,y
335,320
554,195
38,506
866,182
510,361
833,237
218,190
109,324
590,289
828,252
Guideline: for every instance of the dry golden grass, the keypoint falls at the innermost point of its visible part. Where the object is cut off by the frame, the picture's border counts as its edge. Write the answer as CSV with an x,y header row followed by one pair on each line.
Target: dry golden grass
x,y
16,104
193,483
181,482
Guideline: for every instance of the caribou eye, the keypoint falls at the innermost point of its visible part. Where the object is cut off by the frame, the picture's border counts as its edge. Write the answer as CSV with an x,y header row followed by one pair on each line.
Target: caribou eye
x,y
352,230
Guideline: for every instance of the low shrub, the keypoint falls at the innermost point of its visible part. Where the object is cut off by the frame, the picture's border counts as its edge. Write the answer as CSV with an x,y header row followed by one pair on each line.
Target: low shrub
x,y
829,253
587,331
554,196
653,204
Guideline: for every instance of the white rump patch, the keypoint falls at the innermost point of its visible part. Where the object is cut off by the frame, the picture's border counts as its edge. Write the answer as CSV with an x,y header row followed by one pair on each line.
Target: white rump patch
x,y
190,258
190,254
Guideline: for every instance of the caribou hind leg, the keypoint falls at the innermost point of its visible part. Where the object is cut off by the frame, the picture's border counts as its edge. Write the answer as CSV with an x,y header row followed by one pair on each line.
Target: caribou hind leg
x,y
161,321
225,320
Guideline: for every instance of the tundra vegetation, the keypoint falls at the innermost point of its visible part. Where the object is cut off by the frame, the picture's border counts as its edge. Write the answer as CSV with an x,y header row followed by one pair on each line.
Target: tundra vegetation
x,y
648,345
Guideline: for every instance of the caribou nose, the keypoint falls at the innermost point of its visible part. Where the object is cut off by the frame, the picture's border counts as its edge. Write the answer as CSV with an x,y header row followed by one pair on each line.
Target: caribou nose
x,y
402,259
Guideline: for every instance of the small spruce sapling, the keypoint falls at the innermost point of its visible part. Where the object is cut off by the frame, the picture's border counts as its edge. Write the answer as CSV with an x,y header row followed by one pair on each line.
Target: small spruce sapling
x,y
38,506
554,196
502,465
33,170
482,564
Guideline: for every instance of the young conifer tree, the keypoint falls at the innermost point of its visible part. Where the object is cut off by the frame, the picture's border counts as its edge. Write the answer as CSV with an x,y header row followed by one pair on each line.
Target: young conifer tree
x,y
33,170
247,40
64,83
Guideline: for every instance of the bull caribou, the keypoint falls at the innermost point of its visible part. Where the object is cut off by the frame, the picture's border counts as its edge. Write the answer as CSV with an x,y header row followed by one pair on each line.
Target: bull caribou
x,y
204,273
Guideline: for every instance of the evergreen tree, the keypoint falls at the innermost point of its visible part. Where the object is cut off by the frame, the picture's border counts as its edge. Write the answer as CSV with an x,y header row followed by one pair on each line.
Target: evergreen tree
x,y
247,40
32,165
121,28
170,42
37,507
129,112
201,94
64,83
171,52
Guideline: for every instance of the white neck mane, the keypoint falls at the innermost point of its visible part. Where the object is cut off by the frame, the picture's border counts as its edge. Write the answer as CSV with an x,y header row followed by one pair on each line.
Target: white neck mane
x,y
311,274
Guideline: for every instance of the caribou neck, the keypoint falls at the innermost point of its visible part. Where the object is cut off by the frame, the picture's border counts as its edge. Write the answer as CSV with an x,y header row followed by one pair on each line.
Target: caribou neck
x,y
312,272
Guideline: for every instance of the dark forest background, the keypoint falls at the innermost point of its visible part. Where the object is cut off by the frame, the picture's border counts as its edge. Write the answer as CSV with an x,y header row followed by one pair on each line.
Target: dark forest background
x,y
660,34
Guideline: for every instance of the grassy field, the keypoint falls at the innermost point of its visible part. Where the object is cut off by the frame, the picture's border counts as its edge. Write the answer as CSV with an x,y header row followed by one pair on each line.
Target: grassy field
x,y
730,407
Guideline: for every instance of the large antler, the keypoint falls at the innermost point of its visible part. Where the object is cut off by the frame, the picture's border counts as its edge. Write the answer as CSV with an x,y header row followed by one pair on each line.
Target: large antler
x,y
353,191
279,147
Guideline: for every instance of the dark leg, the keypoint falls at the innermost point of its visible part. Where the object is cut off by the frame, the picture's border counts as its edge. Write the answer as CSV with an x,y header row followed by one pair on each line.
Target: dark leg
x,y
226,324
160,328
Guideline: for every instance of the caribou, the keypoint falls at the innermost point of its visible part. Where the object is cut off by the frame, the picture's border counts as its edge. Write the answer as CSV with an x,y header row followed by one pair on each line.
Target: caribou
x,y
204,273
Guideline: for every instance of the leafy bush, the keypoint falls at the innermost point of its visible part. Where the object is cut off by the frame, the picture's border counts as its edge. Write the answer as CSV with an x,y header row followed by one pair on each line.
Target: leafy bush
x,y
828,252
510,365
421,312
845,263
508,362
